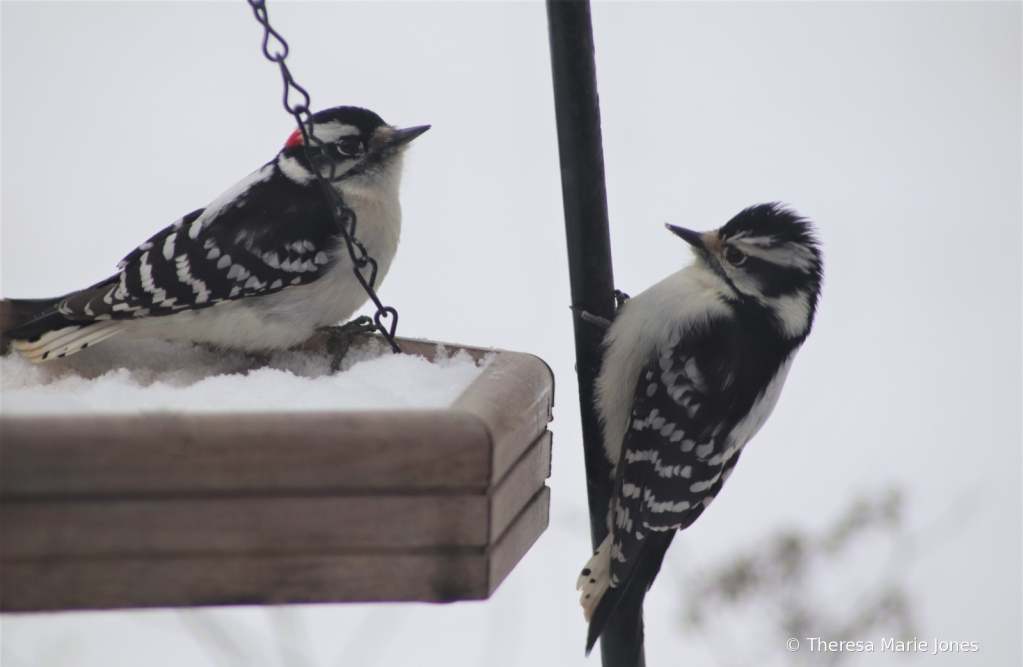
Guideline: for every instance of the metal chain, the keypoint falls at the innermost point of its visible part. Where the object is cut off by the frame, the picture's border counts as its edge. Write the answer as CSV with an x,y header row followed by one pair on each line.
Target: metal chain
x,y
344,217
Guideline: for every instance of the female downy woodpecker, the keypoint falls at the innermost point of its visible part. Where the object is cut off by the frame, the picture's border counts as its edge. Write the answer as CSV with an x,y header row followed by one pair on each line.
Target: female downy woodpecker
x,y
261,267
692,368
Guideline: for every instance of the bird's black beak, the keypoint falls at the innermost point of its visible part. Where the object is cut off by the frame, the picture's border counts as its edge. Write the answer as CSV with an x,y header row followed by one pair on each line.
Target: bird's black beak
x,y
402,137
694,239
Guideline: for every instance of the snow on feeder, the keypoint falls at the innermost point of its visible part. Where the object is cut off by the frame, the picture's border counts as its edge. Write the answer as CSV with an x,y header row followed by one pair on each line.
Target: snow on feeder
x,y
183,508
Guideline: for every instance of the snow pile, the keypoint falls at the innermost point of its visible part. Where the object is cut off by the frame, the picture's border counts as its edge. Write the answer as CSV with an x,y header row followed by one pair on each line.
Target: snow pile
x,y
150,376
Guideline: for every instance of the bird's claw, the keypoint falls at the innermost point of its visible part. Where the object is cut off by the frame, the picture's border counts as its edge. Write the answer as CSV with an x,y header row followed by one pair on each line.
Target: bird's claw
x,y
339,338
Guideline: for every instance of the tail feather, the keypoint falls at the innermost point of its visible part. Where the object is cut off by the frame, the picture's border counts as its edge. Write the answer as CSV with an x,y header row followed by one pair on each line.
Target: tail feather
x,y
37,325
36,305
621,607
36,317
595,578
52,335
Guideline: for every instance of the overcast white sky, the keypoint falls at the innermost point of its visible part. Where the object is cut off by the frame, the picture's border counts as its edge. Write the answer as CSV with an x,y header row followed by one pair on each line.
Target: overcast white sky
x,y
896,127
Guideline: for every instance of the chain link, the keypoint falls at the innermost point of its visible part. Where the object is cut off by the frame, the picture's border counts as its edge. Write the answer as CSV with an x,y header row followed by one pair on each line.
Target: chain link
x,y
276,50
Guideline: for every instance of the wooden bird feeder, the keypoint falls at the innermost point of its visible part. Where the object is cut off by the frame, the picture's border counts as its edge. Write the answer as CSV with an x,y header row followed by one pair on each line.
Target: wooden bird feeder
x,y
178,509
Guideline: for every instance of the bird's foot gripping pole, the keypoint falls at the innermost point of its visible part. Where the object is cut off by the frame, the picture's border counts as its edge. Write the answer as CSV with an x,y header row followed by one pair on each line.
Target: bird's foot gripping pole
x,y
339,338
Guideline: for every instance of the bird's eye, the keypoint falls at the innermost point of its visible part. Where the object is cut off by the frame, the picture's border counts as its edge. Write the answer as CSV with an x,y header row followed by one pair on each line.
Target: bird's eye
x,y
735,256
349,146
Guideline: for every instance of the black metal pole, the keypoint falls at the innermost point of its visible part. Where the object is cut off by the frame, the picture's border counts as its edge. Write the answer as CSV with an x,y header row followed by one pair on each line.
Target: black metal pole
x,y
577,110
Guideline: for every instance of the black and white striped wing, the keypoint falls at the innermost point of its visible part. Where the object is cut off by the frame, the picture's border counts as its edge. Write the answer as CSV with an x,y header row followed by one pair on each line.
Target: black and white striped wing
x,y
264,235
674,457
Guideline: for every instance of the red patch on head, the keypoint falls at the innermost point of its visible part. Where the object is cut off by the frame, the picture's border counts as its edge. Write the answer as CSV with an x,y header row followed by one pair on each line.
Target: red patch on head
x,y
294,140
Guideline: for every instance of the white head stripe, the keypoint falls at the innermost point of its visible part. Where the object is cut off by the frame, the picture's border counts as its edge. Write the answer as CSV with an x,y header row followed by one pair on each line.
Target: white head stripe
x,y
334,130
787,254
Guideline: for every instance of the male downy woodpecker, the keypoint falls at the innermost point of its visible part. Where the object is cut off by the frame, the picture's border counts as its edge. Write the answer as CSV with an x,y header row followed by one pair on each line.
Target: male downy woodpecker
x,y
261,267
692,368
